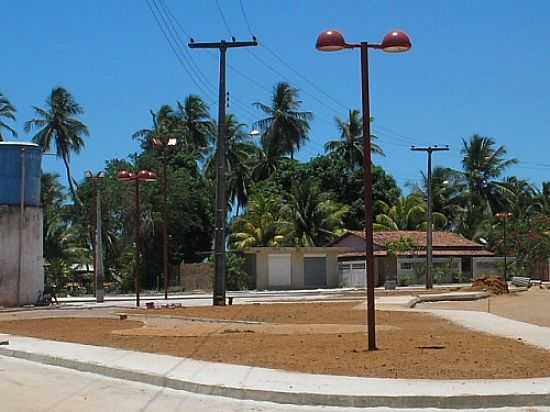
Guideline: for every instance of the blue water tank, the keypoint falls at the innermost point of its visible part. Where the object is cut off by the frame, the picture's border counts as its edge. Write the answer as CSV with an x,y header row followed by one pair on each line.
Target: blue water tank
x,y
12,154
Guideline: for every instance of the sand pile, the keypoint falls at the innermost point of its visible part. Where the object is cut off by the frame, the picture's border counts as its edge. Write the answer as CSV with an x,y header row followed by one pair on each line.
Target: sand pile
x,y
491,284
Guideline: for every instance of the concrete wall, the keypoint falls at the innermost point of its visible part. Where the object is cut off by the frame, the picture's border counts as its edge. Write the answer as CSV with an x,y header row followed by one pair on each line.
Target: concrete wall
x,y
195,276
32,270
297,265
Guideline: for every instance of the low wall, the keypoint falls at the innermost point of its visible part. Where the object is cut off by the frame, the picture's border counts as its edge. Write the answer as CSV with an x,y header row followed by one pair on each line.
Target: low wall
x,y
197,276
483,266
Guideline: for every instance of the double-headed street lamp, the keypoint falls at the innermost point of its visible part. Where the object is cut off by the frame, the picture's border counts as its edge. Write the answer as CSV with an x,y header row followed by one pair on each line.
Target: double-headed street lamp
x,y
504,217
98,255
163,145
140,177
394,42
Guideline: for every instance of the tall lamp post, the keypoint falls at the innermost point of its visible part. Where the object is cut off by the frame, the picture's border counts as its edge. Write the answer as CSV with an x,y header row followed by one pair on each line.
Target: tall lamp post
x,y
99,275
163,144
140,177
394,42
429,265
504,217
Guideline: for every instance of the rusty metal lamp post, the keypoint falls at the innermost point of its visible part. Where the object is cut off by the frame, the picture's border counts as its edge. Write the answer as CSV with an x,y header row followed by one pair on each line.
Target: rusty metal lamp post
x,y
163,145
142,176
393,42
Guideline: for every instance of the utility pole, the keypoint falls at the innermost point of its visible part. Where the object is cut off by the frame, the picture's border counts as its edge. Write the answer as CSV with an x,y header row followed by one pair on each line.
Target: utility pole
x,y
429,150
219,243
98,255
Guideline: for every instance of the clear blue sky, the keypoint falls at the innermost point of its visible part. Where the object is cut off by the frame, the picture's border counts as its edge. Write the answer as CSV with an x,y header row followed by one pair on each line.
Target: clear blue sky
x,y
475,67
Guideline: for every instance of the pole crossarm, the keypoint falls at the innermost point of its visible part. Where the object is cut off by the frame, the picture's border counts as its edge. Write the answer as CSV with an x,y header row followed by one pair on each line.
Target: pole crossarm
x,y
430,149
222,44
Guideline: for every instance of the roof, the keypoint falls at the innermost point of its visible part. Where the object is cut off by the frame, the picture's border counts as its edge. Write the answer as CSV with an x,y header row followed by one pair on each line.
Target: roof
x,y
421,253
440,240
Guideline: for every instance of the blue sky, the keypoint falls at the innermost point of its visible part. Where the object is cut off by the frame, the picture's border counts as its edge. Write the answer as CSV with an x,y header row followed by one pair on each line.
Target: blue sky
x,y
475,67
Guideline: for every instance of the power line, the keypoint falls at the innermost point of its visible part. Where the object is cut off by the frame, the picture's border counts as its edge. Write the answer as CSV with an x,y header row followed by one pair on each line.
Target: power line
x,y
223,19
246,19
170,23
173,48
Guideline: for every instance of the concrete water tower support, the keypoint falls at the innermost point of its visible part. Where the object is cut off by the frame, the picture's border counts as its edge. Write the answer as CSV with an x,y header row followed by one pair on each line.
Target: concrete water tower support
x,y
21,242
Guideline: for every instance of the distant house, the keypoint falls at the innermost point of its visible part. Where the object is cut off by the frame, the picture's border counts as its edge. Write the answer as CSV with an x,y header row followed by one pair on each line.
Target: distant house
x,y
292,267
453,257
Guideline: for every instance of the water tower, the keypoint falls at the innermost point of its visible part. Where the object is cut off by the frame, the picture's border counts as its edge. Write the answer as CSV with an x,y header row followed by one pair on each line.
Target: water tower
x,y
21,244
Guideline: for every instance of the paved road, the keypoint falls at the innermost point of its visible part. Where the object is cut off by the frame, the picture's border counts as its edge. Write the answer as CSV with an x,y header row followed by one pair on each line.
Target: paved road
x,y
31,387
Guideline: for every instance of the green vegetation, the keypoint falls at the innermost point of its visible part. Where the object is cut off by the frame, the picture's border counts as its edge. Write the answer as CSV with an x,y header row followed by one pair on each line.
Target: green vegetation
x,y
273,199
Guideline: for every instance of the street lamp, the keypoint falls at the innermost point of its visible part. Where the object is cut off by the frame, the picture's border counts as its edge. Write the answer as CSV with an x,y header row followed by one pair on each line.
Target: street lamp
x,y
503,217
98,250
163,144
140,177
393,42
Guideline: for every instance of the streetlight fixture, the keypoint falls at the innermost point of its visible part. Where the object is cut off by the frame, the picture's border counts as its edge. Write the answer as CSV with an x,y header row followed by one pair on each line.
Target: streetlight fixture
x,y
393,42
504,217
99,275
163,145
142,176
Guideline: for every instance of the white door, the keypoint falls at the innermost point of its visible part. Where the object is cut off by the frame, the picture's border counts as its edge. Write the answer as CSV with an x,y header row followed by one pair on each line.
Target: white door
x,y
353,274
279,270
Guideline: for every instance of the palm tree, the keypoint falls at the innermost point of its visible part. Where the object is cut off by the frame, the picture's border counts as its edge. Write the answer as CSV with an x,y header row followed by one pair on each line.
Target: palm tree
x,y
164,126
193,115
239,151
315,219
58,124
409,213
261,226
7,111
483,163
285,129
350,144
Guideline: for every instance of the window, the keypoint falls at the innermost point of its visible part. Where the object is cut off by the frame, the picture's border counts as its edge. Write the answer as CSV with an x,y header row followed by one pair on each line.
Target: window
x,y
406,266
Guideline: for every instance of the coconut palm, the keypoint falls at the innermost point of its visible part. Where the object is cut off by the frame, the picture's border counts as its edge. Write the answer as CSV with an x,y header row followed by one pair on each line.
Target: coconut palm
x,y
164,127
261,226
350,144
314,218
7,111
58,125
285,129
483,163
239,152
194,117
409,213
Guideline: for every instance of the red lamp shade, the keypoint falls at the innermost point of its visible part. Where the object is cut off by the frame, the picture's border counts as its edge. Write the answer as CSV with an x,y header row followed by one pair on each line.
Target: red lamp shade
x,y
125,176
146,176
330,40
396,42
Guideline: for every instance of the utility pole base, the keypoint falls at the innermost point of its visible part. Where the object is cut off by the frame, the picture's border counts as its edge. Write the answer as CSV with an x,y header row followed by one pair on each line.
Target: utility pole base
x,y
219,301
99,296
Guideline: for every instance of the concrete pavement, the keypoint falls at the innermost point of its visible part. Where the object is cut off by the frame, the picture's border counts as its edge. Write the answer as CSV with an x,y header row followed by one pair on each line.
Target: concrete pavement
x,y
31,387
261,384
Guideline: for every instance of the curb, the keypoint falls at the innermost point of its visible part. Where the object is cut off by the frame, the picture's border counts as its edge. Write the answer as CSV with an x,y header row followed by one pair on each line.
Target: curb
x,y
447,298
466,401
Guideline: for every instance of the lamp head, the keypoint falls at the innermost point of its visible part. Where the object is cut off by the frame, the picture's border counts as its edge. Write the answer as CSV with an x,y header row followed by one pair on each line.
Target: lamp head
x,y
330,40
396,42
125,176
146,176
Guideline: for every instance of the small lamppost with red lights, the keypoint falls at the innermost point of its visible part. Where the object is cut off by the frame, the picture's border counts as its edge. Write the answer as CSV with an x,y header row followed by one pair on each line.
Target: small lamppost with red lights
x,y
140,177
163,145
393,42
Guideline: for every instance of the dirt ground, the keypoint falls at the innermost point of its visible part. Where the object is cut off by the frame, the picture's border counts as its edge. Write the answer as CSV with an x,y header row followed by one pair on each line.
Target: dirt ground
x,y
403,338
532,306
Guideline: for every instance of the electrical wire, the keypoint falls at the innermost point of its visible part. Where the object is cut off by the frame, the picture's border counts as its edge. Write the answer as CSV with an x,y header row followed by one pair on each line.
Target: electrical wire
x,y
246,19
224,19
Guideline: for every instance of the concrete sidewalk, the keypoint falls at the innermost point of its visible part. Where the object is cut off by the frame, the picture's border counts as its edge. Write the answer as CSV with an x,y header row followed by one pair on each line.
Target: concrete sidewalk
x,y
260,384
